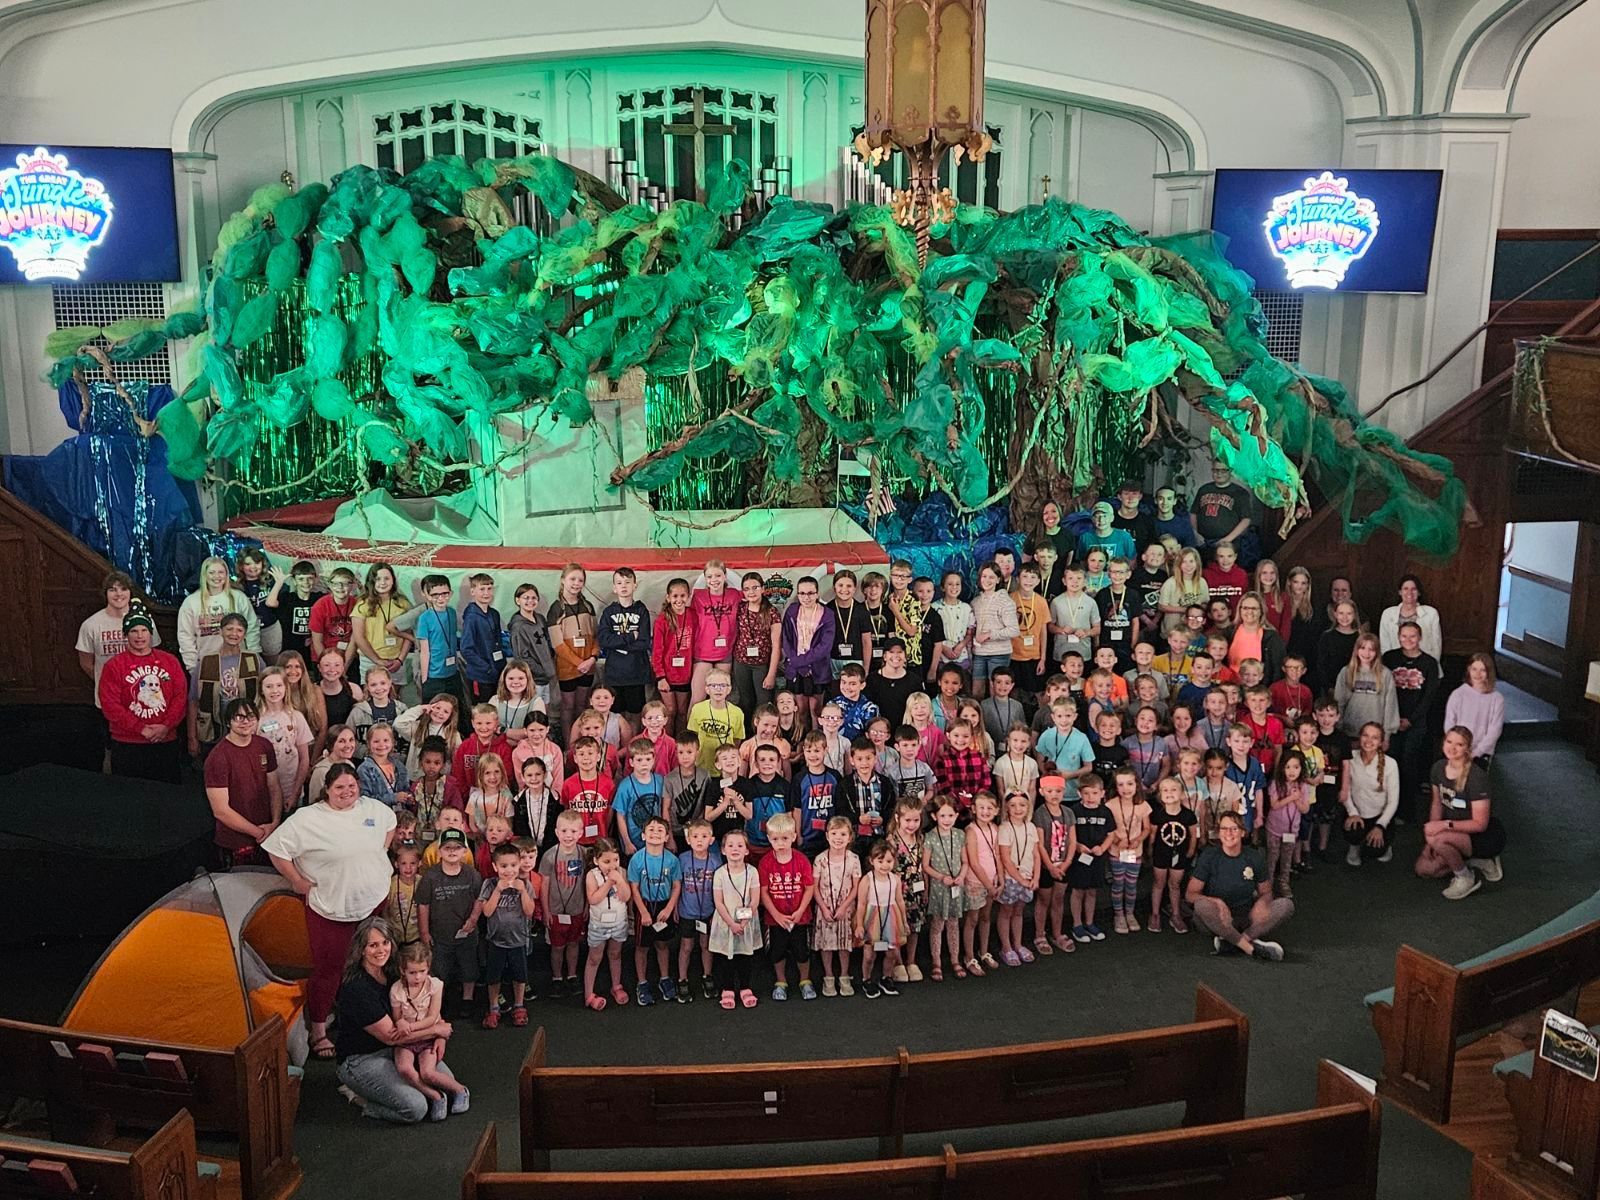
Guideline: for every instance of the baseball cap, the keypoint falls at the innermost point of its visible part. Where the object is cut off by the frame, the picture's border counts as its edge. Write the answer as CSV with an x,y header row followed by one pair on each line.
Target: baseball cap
x,y
1106,505
138,617
452,837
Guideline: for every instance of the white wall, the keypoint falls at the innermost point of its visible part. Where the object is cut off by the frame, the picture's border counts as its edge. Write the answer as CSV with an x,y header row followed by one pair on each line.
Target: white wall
x,y
1554,173
1116,158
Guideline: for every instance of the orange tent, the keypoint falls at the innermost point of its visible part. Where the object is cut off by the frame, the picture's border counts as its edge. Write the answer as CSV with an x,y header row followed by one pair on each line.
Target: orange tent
x,y
203,966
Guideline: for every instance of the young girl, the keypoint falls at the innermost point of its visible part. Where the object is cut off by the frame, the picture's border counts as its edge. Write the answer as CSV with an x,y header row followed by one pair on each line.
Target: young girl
x,y
200,615
515,699
1288,802
1274,600
735,929
1016,770
538,745
342,745
400,910
1146,750
1019,864
1365,690
304,696
880,920
415,1000
955,615
432,790
1335,645
831,719
879,622
437,718
836,870
919,715
766,734
906,841
794,720
983,884
1173,836
607,890
289,734
969,712
1095,578
1186,587
379,704
491,797
572,631
945,867
382,776
376,643
994,619
672,654
616,731
1218,795
880,733
1132,816
338,695
257,581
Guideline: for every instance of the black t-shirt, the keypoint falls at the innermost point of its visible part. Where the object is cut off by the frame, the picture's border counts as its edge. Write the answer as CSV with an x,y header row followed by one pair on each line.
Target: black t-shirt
x,y
1141,527
1335,749
1106,760
1218,509
361,1001
848,626
1093,824
728,821
1171,836
1456,799
1233,879
890,694
1145,586
1416,683
296,616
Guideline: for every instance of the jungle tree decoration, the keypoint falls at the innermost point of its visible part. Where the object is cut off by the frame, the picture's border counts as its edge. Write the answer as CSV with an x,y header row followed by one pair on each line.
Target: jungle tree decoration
x,y
1095,330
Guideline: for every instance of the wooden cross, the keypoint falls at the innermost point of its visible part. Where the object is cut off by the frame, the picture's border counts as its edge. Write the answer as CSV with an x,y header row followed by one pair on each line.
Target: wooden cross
x,y
699,129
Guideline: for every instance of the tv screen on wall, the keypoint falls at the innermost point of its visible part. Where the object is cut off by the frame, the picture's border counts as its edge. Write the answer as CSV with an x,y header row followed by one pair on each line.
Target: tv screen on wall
x,y
1329,229
87,214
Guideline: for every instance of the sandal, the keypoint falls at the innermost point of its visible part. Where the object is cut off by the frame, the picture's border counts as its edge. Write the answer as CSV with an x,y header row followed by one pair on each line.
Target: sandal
x,y
727,1001
1065,944
974,969
747,998
936,974
324,1049
960,971
619,994
1042,945
596,1002
989,961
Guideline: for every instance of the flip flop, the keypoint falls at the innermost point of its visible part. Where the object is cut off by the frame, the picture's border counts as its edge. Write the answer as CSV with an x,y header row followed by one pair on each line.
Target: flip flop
x,y
323,1049
596,1002
619,994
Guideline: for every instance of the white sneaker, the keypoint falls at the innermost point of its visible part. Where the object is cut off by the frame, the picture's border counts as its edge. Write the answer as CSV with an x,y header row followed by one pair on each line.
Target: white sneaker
x,y
1462,886
1352,856
1490,867
1387,855
845,986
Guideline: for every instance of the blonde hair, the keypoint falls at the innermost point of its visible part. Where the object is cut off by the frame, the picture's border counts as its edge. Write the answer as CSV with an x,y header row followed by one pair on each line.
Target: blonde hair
x,y
1186,555
918,700
485,761
304,696
780,823
1379,671
1302,607
227,576
1487,660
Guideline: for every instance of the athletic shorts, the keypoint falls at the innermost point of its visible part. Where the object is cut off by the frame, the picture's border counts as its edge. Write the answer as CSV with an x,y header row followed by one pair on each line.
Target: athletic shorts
x,y
567,935
679,689
1491,841
1087,876
1047,881
785,943
649,935
507,964
576,682
809,687
456,958
687,927
629,697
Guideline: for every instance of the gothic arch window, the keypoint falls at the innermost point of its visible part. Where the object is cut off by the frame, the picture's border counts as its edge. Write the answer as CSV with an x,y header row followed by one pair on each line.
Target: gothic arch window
x,y
668,162
407,137
975,182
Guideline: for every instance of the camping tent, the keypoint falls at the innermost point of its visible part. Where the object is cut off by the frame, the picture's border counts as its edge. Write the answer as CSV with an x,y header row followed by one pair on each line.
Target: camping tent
x,y
203,966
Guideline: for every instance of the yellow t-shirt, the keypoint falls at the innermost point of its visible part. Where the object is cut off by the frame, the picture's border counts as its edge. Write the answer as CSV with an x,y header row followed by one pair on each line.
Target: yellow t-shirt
x,y
723,727
1033,614
375,620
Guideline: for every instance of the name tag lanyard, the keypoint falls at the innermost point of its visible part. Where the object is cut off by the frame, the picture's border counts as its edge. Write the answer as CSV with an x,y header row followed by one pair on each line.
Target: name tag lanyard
x,y
742,892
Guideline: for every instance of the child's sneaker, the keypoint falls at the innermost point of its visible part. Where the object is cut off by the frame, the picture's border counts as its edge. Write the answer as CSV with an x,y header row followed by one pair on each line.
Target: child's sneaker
x,y
645,993
491,1019
869,988
438,1108
669,990
519,1015
1119,923
1133,924
828,986
901,975
1096,932
807,992
780,992
460,1102
845,988
1080,933
708,987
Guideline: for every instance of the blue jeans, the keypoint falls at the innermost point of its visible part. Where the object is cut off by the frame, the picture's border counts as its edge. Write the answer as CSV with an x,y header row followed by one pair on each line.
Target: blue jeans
x,y
375,1079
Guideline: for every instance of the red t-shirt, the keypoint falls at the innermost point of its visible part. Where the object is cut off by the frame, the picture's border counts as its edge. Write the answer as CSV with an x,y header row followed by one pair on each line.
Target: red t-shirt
x,y
464,764
591,800
332,621
1227,585
243,770
1286,696
785,883
1268,737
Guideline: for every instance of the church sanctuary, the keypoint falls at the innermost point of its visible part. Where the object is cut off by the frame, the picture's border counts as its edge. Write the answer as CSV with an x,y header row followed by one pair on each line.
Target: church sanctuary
x,y
831,600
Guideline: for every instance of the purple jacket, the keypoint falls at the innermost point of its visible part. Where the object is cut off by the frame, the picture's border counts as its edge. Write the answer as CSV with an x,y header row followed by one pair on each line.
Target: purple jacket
x,y
815,664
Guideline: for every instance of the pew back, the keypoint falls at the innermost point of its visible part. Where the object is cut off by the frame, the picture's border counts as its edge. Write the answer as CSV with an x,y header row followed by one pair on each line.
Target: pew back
x,y
165,1167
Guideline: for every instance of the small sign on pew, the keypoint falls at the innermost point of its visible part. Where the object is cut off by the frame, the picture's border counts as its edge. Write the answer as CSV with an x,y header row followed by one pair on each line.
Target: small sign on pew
x,y
1569,1045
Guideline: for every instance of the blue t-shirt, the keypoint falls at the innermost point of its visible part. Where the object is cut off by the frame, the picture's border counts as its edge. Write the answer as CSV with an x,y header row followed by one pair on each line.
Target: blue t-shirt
x,y
767,798
1194,695
695,902
654,875
1117,544
635,803
1068,751
817,798
440,631
1252,781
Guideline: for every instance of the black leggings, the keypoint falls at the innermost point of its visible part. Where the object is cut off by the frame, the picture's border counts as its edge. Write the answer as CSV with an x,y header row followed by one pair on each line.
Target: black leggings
x,y
732,974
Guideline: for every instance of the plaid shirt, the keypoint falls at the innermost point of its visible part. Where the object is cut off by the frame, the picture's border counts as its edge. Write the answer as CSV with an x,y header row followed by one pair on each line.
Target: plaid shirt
x,y
963,773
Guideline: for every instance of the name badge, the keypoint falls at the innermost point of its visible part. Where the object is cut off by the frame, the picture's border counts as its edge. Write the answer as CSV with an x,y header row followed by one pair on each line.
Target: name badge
x,y
846,650
497,655
1086,859
1288,839
699,926
1116,635
659,926
818,823
877,652
1128,856
341,645
917,886
882,947
742,914
591,831
1027,640
752,651
955,891
1328,777
449,660
563,918
579,642
679,661
721,643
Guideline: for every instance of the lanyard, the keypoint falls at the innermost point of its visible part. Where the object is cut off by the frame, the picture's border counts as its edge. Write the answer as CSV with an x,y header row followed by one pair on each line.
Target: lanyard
x,y
405,916
514,711
738,890
949,848
835,886
565,896
844,622
649,879
877,902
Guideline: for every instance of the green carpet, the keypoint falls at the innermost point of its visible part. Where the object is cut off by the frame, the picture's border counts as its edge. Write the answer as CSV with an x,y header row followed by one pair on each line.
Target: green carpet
x,y
1340,945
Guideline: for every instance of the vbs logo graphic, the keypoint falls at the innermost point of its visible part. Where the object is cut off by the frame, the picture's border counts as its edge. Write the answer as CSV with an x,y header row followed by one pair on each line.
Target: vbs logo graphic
x,y
1320,230
51,216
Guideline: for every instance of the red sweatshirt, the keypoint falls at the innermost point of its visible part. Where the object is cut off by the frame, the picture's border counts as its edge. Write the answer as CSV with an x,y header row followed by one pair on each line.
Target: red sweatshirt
x,y
672,647
143,689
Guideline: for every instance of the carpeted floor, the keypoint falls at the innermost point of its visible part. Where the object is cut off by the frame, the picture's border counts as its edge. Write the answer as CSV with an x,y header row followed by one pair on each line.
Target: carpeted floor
x,y
1340,944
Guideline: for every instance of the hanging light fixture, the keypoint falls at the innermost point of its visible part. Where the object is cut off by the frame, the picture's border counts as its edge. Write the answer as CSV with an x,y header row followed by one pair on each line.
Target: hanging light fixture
x,y
924,98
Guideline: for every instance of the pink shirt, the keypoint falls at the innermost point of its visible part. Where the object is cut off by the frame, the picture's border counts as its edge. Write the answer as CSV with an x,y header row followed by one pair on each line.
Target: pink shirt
x,y
715,618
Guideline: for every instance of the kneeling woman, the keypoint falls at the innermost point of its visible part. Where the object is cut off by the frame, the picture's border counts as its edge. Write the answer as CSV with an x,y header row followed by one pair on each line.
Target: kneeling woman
x,y
1461,834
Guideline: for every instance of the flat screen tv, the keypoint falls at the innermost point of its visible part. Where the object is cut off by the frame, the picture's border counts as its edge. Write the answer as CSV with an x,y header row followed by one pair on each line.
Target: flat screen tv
x,y
87,214
1328,229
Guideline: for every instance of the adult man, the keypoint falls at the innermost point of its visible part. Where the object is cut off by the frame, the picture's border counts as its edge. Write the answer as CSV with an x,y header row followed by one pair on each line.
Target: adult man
x,y
1416,693
1130,516
1232,895
141,693
241,778
1220,511
227,675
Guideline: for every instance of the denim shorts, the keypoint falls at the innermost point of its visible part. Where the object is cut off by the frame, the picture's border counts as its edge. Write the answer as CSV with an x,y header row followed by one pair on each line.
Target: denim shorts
x,y
985,665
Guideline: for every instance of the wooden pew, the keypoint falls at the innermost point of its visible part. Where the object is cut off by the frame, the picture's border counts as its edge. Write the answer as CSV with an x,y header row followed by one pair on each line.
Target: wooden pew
x,y
91,1084
1557,1118
165,1167
1201,1065
1329,1152
1437,1007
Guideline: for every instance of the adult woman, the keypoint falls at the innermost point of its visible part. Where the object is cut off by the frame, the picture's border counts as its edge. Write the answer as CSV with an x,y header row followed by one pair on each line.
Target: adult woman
x,y
1479,707
1274,600
380,603
1303,623
368,1035
1051,531
200,615
1365,690
334,852
1186,587
1370,794
1254,638
1411,608
806,640
1462,833
342,746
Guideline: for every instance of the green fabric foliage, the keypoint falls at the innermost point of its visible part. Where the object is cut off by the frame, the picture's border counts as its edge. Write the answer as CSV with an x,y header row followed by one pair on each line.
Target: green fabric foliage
x,y
139,345
255,319
283,265
293,214
60,343
331,401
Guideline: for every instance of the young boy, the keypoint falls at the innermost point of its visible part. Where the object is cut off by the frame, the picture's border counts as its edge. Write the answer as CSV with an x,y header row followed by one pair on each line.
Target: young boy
x,y
1266,730
587,792
640,796
1057,687
1144,663
624,637
438,635
1335,746
1028,660
1194,692
566,906
1094,831
1000,710
1046,558
657,879
448,819
716,722
787,889
1244,770
866,797
294,609
536,807
1291,699
856,710
1226,579
1214,721
1252,674
1109,752
912,778
831,720
1074,617
538,941
481,656
762,796
1145,582
814,791
1117,613
684,788
446,914
1177,663
697,865
1063,749
1057,842
508,902
485,738
330,620
1102,695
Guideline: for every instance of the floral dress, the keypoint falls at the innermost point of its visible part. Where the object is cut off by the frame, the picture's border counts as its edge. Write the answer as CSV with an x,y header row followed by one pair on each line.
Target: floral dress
x,y
947,854
836,887
914,887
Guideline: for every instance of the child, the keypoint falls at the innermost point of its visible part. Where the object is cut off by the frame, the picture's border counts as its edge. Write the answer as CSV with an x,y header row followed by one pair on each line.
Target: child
x,y
1218,795
697,866
1217,645
530,640
566,906
401,908
1291,699
1095,834
766,734
683,789
535,808
491,796
1335,746
481,655
919,716
735,935
438,638
757,642
955,616
572,639
446,898
762,796
944,866
1245,770
1193,693
1019,865
1251,674
1225,579
722,795
973,717
855,710
787,890
1176,664
1028,661
656,877
1095,579
538,938
1110,755
1056,845
912,778
447,818
415,1003
381,776
880,625
866,797
961,769
1117,613
999,710
653,725
880,733
496,833
624,637
640,796
814,794
1106,665
714,720
835,873
1017,770
983,884
1173,836
1266,730
290,736
587,792
994,619
509,903
880,920
906,841
830,719
1147,754
606,888
1132,815
1063,749
484,739
378,704
794,718
294,609
672,654
538,745
1288,801
515,701
1074,617
432,718
715,608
